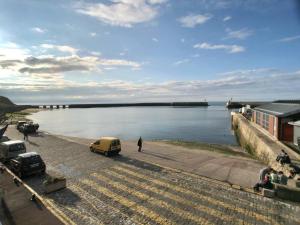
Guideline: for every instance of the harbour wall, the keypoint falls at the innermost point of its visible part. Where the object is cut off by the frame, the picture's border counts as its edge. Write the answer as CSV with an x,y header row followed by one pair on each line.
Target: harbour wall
x,y
259,144
105,105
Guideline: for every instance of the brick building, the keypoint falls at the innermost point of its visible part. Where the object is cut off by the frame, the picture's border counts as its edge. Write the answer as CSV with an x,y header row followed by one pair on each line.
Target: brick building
x,y
275,118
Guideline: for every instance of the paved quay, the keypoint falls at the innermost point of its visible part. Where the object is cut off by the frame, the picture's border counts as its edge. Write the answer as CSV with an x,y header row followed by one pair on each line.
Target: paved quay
x,y
238,170
127,190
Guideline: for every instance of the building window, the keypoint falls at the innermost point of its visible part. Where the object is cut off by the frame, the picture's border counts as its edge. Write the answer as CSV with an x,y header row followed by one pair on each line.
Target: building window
x,y
258,118
265,122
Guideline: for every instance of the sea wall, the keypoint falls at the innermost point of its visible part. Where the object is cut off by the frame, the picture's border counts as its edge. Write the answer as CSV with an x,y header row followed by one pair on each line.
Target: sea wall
x,y
255,142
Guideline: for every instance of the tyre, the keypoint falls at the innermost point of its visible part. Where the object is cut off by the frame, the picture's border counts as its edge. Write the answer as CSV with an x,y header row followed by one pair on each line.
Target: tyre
x,y
92,150
106,153
43,172
19,174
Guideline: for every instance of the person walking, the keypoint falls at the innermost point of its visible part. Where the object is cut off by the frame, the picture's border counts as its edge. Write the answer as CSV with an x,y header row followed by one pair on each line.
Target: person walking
x,y
140,144
25,132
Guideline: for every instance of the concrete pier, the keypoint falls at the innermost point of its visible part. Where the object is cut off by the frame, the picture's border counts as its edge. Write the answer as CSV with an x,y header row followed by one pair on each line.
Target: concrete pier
x,y
105,105
237,105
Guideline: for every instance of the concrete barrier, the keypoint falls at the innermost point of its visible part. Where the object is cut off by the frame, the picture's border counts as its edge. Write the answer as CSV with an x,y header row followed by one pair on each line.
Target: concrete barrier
x,y
268,193
287,193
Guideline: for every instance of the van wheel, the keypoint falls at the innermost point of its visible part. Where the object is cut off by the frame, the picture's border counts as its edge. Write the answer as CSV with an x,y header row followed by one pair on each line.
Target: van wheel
x,y
106,153
92,150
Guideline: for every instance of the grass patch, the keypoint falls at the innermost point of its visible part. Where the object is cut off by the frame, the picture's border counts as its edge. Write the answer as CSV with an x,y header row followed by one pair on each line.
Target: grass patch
x,y
249,149
14,117
208,147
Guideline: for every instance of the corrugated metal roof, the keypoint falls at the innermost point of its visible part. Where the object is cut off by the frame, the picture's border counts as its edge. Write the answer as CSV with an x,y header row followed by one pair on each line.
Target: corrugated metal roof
x,y
279,109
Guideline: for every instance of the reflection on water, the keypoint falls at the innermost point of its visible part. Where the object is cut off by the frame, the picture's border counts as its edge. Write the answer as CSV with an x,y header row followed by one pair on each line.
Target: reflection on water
x,y
206,124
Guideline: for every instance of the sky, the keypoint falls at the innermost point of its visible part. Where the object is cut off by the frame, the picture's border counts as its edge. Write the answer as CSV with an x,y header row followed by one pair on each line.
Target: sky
x,y
112,51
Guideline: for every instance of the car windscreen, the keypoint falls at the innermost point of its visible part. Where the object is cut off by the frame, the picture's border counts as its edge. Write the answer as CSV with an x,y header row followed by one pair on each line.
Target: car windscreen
x,y
32,159
16,147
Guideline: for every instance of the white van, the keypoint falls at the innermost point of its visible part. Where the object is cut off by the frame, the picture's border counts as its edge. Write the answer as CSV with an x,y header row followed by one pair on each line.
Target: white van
x,y
11,149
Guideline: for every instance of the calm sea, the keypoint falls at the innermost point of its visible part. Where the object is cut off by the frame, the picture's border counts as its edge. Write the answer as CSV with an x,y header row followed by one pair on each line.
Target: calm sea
x,y
205,124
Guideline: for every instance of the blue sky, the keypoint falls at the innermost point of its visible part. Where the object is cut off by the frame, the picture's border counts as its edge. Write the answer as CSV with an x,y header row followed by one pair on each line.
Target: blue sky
x,y
149,50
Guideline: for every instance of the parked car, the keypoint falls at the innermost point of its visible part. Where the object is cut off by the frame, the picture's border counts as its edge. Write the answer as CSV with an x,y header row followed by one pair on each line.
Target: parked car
x,y
29,127
27,164
106,145
19,124
11,149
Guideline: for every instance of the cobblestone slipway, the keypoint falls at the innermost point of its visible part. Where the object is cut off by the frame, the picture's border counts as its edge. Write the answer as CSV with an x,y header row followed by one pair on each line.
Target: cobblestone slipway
x,y
123,190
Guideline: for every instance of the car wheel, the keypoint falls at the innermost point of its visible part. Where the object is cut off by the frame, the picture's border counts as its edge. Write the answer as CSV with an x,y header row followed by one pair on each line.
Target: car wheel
x,y
42,172
19,174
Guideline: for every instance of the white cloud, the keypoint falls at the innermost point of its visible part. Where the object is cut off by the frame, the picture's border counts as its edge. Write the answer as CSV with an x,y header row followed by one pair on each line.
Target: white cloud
x,y
155,39
61,48
289,39
38,30
19,61
118,62
47,65
252,72
95,53
253,5
124,52
93,34
179,62
193,20
239,34
228,48
226,18
157,1
109,68
10,50
123,13
274,84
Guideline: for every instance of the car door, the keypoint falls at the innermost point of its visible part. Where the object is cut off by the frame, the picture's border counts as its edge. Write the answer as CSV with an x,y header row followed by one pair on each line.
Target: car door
x,y
15,165
102,145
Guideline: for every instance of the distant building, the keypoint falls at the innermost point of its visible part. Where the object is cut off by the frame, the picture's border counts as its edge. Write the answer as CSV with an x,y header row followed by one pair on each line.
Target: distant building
x,y
275,118
296,138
